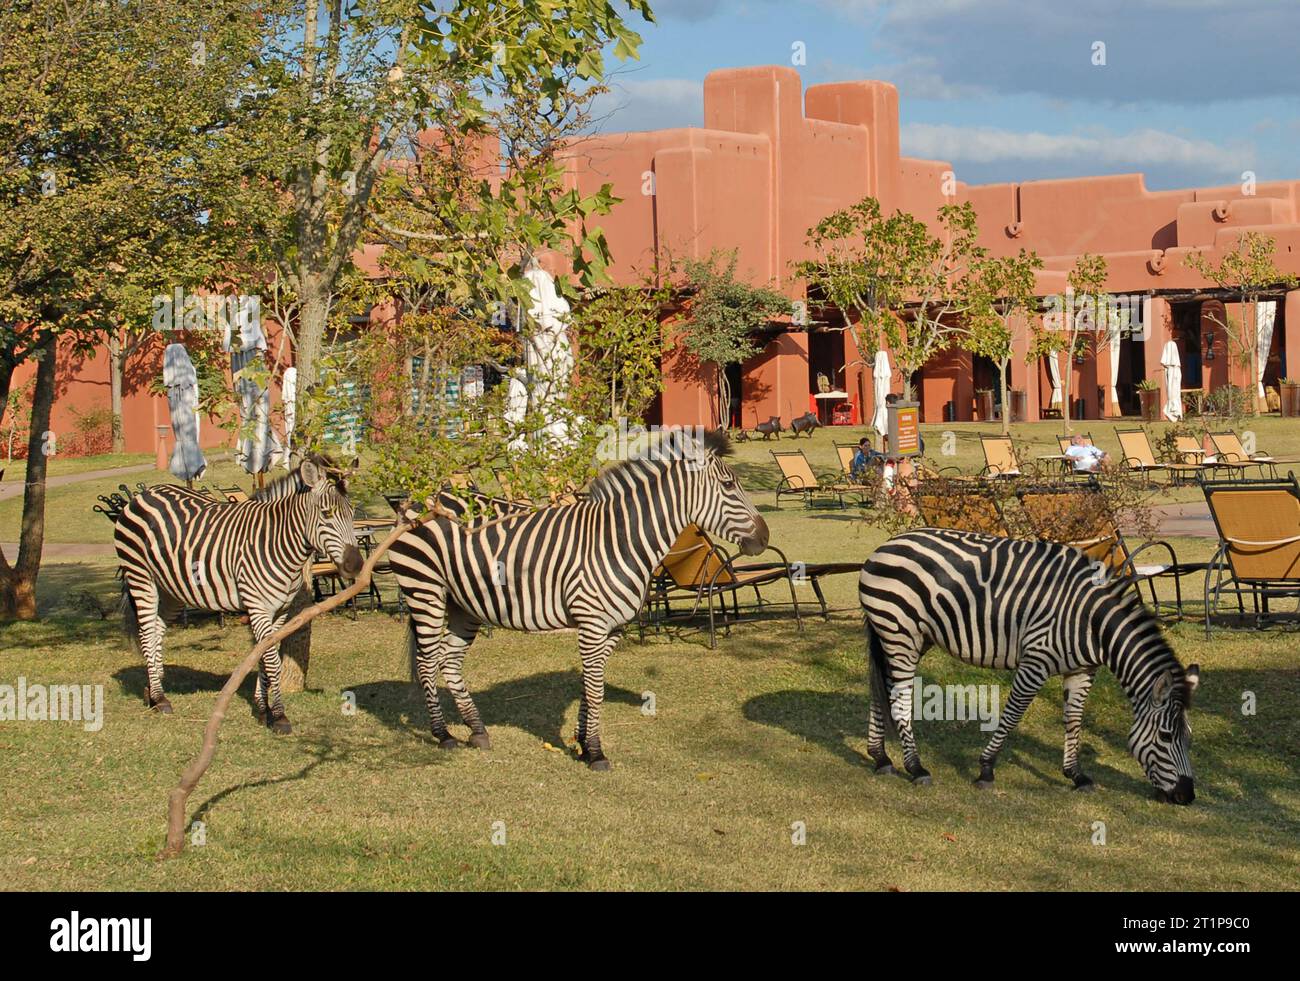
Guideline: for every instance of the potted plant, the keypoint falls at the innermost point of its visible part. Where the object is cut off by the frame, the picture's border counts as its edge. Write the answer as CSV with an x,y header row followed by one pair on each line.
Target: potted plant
x,y
984,403
1289,390
1149,395
1019,404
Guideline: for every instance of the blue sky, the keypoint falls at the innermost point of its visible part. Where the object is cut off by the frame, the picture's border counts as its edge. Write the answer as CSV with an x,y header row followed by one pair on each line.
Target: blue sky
x,y
1191,92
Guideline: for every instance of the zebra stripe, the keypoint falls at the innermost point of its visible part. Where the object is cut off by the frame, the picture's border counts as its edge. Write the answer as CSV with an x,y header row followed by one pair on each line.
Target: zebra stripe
x,y
178,546
586,565
1034,608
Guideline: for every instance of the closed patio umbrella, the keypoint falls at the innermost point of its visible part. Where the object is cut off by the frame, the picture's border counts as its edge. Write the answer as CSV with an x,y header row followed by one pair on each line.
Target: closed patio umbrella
x,y
1265,318
1054,376
255,447
1173,366
289,397
879,390
182,383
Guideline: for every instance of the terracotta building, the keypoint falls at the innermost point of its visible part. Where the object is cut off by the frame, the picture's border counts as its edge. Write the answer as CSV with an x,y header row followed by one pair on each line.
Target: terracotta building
x,y
772,159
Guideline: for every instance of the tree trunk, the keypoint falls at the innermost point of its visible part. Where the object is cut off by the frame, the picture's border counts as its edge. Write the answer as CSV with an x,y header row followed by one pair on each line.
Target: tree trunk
x,y
18,582
312,318
115,367
1006,400
295,651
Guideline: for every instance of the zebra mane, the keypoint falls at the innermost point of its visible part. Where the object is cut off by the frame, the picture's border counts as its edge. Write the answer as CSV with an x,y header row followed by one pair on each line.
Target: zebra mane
x,y
1132,632
292,483
657,456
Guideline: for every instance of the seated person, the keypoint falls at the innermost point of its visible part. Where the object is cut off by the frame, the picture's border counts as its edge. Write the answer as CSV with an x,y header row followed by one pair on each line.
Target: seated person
x,y
1086,459
865,456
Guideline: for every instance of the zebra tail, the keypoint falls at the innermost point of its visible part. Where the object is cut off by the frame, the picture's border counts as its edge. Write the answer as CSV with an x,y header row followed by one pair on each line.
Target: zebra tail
x,y
130,618
879,674
412,648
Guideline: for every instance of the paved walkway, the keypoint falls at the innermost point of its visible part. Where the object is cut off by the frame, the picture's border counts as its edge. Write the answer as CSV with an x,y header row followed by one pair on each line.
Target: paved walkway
x,y
1191,519
14,488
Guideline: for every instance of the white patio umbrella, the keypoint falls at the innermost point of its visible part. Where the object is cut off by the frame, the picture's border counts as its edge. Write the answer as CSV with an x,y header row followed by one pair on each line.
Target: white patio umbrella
x,y
182,383
1115,339
548,355
1265,318
1173,366
879,390
255,449
289,397
1054,375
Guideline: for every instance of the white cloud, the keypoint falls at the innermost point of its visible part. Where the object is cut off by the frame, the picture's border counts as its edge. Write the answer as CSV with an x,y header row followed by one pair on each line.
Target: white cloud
x,y
1137,149
649,103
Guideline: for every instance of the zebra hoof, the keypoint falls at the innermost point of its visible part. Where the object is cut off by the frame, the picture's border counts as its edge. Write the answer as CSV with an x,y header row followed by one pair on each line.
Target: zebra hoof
x,y
921,778
480,740
885,769
162,706
281,726
1084,785
983,784
447,742
600,765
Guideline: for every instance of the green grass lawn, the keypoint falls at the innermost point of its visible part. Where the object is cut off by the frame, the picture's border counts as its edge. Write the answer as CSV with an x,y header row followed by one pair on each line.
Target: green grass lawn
x,y
765,731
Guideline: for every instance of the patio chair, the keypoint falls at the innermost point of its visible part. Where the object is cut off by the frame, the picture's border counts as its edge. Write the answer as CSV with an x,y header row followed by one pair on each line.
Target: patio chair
x,y
1064,441
798,480
1138,457
1259,545
1228,451
1078,515
999,457
944,503
697,568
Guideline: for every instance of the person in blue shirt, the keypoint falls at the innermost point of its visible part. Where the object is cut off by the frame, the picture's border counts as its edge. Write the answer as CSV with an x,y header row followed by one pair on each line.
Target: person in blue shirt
x,y
865,456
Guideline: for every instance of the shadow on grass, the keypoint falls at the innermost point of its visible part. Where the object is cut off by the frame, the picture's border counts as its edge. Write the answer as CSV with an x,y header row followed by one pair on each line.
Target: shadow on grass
x,y
537,704
180,680
832,719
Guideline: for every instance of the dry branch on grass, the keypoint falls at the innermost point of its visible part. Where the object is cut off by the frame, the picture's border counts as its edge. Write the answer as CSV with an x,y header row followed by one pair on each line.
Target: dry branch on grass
x,y
180,794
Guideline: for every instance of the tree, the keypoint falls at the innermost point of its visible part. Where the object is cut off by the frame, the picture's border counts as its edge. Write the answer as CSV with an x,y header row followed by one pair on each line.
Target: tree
x,y
1002,298
724,313
620,341
1078,321
349,80
893,282
1248,271
114,130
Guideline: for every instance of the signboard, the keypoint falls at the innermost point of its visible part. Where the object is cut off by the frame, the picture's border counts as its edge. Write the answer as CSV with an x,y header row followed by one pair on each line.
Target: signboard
x,y
904,429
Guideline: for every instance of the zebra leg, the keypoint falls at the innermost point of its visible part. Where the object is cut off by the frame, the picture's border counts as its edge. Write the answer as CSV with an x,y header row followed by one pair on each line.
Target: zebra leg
x,y
1077,686
428,628
594,647
146,624
900,709
1025,685
461,631
271,708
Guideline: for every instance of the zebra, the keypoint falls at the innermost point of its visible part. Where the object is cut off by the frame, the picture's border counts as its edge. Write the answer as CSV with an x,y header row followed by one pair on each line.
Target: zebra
x,y
180,546
585,564
1039,609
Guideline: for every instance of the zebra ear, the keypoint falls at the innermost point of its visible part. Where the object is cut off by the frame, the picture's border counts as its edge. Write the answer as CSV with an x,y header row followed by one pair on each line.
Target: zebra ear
x,y
312,475
1162,689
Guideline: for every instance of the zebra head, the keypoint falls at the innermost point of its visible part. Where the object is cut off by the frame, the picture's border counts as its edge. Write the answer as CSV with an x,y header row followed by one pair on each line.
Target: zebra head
x,y
1161,735
718,504
329,526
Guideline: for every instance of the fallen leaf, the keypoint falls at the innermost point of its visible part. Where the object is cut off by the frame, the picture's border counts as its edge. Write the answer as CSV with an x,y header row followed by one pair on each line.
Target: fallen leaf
x,y
948,836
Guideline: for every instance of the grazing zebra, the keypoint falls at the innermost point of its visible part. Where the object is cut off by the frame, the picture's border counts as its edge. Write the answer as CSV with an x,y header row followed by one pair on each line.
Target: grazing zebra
x,y
586,565
1038,609
181,546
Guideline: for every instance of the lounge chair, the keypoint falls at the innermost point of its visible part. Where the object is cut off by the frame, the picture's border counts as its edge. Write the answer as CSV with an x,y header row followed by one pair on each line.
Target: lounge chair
x,y
1228,451
798,480
1078,515
1259,545
697,568
1138,457
999,457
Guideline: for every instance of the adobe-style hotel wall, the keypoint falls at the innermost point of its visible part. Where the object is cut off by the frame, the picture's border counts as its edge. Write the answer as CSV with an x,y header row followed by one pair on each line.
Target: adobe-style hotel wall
x,y
764,168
